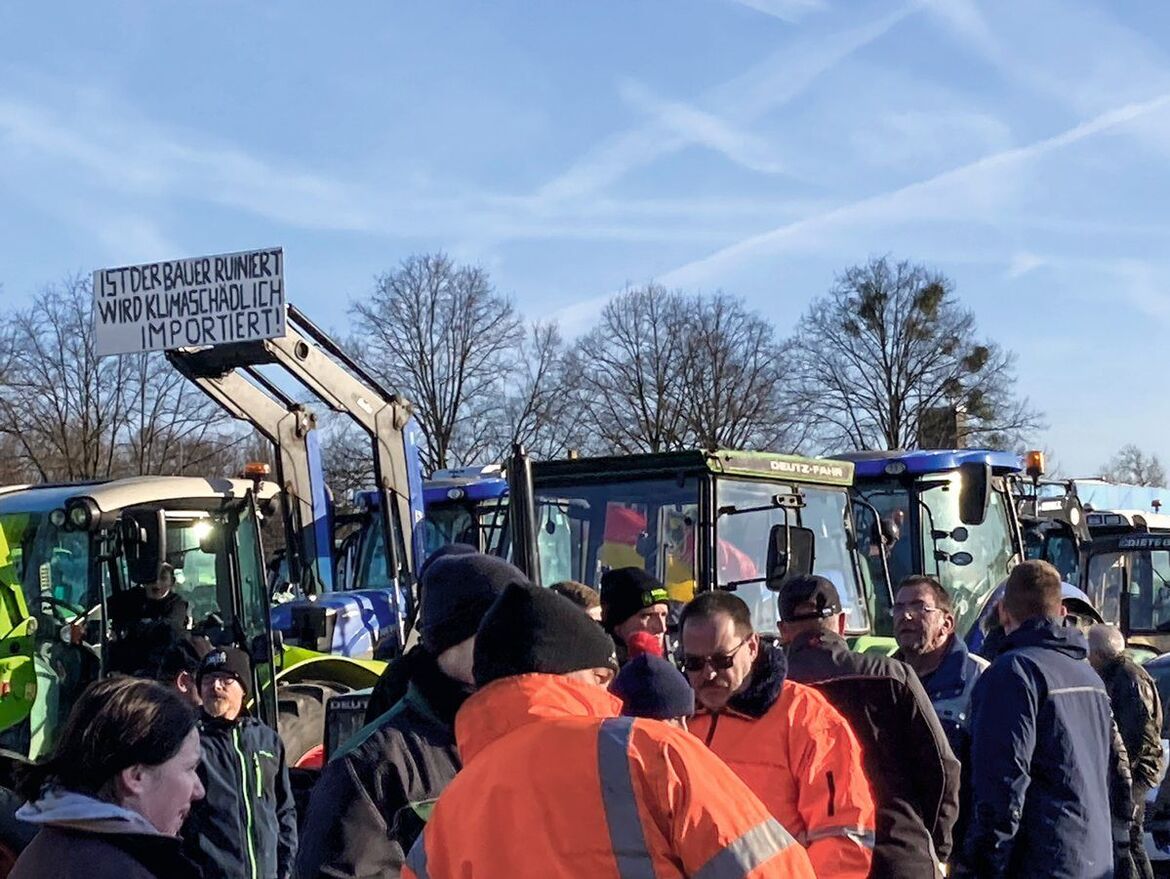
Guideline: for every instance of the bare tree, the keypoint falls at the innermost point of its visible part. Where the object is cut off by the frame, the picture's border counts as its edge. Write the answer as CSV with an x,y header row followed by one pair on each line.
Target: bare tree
x,y
441,334
629,372
347,459
1132,466
62,405
733,388
171,426
889,346
71,415
539,410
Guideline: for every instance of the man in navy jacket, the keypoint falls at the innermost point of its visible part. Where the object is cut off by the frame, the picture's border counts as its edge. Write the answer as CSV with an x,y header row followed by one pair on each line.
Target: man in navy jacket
x,y
1040,742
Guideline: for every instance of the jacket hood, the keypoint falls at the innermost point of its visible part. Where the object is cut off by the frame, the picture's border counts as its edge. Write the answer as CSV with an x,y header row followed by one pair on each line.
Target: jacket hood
x,y
62,808
1049,634
764,684
510,703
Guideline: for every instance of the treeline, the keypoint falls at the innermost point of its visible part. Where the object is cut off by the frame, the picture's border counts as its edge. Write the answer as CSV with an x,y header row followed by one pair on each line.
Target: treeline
x,y
868,365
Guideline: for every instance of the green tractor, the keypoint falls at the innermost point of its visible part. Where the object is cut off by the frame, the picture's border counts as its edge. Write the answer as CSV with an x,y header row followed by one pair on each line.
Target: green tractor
x,y
66,549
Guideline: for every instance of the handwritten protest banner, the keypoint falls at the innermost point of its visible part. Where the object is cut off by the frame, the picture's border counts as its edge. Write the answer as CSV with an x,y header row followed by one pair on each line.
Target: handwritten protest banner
x,y
208,300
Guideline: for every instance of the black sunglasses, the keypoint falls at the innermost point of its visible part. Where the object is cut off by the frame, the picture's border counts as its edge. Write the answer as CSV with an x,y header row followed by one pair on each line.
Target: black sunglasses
x,y
717,661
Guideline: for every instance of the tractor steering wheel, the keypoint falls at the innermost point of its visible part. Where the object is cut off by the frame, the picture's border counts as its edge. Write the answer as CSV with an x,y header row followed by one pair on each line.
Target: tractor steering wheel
x,y
58,608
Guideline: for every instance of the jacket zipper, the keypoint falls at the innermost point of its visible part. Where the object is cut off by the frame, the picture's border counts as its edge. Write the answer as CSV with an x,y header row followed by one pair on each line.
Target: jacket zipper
x,y
249,849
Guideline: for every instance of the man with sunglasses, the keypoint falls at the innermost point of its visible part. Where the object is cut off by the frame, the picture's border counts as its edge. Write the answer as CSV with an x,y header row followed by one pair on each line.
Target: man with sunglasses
x,y
917,799
792,748
555,783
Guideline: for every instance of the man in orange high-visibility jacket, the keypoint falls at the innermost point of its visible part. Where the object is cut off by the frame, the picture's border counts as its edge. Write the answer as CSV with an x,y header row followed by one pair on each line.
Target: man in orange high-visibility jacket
x,y
794,750
555,785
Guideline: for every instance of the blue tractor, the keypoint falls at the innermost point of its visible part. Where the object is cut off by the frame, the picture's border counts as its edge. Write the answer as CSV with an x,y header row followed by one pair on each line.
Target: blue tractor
x,y
951,514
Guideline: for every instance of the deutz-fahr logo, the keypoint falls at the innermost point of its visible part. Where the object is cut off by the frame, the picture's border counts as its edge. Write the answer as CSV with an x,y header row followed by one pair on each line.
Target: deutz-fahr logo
x,y
1144,542
809,468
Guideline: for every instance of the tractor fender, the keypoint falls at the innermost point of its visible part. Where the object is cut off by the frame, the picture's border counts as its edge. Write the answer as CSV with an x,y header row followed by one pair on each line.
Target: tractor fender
x,y
306,665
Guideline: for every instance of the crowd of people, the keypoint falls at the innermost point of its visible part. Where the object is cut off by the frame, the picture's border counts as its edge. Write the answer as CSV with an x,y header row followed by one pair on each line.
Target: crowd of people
x,y
560,732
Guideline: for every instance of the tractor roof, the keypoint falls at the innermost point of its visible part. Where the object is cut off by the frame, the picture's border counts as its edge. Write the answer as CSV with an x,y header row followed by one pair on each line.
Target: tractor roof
x,y
724,462
872,464
117,494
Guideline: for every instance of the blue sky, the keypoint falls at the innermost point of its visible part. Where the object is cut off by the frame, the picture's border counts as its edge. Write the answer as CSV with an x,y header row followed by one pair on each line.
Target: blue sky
x,y
757,146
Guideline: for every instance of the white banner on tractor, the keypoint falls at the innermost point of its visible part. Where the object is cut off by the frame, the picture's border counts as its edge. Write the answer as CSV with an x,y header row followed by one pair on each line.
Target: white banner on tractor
x,y
208,300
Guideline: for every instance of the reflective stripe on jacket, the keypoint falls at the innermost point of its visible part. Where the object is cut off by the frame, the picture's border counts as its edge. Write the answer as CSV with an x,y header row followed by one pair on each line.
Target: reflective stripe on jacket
x,y
555,785
798,754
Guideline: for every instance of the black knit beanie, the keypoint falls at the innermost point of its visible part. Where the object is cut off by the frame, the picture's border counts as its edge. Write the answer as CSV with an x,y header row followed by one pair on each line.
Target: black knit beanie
x,y
649,686
231,661
624,592
530,629
457,590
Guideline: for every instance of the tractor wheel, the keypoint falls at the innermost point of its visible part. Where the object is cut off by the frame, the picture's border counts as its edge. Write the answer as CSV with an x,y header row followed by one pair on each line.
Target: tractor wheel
x,y
301,716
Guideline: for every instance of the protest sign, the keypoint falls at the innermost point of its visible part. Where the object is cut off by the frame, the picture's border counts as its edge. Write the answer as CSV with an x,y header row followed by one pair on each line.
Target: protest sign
x,y
208,300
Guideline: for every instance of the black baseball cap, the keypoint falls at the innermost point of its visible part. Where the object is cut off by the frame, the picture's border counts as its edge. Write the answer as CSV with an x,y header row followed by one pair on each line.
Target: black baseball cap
x,y
808,598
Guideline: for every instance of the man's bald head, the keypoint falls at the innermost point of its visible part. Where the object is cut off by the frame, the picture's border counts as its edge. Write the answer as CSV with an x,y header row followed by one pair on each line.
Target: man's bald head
x,y
1106,643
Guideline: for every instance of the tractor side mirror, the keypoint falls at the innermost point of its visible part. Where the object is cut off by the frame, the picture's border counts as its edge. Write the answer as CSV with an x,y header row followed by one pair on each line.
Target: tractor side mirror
x,y
974,489
791,553
144,536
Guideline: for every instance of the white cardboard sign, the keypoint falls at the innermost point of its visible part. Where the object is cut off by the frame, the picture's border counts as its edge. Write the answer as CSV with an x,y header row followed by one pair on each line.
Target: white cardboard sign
x,y
207,300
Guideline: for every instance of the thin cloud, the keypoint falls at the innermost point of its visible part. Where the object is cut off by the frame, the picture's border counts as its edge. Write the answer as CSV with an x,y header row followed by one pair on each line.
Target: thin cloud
x,y
786,10
780,78
694,126
912,199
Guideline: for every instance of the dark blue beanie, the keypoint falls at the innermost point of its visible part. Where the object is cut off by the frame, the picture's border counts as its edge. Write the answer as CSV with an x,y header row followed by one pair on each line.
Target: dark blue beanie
x,y
649,686
457,590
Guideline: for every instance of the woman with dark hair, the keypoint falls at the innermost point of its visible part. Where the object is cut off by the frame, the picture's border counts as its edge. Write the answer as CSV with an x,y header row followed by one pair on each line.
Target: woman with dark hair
x,y
112,797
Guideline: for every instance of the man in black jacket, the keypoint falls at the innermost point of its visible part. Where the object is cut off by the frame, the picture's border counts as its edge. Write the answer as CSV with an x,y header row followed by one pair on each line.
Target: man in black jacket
x,y
145,621
909,763
374,796
246,826
1138,712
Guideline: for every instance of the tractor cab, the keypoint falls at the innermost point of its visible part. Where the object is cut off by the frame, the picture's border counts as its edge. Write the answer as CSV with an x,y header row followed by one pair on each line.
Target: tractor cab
x,y
699,520
948,514
465,505
67,551
1128,574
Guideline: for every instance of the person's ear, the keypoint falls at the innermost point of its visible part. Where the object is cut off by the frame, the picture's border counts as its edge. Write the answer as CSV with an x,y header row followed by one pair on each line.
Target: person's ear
x,y
841,624
185,682
754,644
132,779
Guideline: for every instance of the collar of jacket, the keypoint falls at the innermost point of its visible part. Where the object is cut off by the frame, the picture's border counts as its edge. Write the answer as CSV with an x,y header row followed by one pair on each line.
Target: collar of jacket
x,y
763,684
817,639
510,703
207,723
952,672
1049,634
58,807
434,692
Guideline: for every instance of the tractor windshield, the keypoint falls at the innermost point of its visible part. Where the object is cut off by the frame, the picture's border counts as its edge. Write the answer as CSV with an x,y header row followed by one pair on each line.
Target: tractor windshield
x,y
743,536
1142,576
923,534
478,523
584,530
46,582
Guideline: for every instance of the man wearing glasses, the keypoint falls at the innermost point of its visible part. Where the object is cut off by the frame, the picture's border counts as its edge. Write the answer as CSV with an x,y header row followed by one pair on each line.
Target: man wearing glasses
x,y
924,627
792,748
917,799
